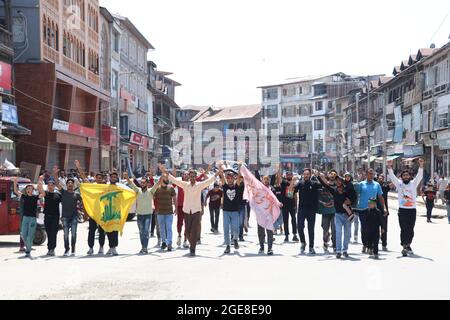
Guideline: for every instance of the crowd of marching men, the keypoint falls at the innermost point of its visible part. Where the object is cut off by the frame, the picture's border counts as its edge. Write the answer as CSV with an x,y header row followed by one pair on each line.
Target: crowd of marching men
x,y
280,202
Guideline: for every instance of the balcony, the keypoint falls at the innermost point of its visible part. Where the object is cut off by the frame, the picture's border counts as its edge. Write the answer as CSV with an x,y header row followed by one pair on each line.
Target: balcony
x,y
6,42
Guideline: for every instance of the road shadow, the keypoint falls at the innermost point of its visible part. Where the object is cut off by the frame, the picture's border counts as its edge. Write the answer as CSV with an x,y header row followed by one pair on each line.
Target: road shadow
x,y
257,255
8,244
188,256
415,256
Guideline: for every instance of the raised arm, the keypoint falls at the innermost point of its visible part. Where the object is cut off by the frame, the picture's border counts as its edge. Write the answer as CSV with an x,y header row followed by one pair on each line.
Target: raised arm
x,y
322,181
131,183
55,176
392,176
16,189
419,176
81,172
41,187
279,177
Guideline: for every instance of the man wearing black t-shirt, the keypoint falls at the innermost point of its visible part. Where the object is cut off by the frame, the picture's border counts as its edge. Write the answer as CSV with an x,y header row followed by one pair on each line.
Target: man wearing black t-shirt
x,y
29,211
52,213
288,199
233,191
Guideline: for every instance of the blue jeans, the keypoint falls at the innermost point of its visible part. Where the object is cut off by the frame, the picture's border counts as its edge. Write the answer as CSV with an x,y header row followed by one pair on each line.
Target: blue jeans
x,y
72,224
242,215
27,231
165,226
448,212
144,222
230,218
342,222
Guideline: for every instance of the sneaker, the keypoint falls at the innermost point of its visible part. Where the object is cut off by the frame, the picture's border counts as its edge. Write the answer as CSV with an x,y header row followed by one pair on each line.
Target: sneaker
x,y
261,251
163,246
185,245
270,252
236,245
27,254
410,251
145,251
286,240
90,252
364,250
109,253
384,248
345,254
169,248
199,242
338,256
295,239
100,251
192,253
312,251
404,252
66,253
227,250
179,241
302,248
428,221
376,256
325,249
141,252
370,252
114,252
51,253
212,230
241,239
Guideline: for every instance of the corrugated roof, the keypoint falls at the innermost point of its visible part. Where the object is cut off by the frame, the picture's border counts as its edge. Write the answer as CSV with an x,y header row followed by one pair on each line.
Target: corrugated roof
x,y
231,113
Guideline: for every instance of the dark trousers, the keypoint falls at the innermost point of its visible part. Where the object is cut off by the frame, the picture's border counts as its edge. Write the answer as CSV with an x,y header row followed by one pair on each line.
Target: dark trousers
x,y
286,212
214,215
384,226
262,235
327,224
373,238
113,239
430,206
407,220
152,228
91,234
364,230
51,227
192,224
309,215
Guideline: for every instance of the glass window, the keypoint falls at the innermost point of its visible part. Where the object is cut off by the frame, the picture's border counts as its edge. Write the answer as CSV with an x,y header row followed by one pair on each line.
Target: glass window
x,y
319,105
318,124
271,111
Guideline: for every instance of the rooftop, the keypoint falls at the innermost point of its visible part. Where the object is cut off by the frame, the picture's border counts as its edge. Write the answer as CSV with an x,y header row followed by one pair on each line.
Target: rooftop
x,y
233,113
134,30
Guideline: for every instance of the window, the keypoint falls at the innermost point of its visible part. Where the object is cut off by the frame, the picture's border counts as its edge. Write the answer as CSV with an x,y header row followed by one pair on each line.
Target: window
x,y
318,124
124,126
115,80
305,110
305,127
319,105
289,128
443,120
272,127
271,94
338,108
271,111
300,90
115,42
289,111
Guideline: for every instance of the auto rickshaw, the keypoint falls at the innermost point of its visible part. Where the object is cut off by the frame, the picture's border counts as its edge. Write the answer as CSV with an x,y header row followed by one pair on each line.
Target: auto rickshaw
x,y
10,210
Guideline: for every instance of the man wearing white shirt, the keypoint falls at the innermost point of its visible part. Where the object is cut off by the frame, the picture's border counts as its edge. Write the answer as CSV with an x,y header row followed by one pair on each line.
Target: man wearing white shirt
x,y
192,206
407,195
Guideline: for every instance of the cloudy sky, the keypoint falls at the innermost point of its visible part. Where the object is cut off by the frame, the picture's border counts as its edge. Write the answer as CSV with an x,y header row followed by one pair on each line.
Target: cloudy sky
x,y
221,50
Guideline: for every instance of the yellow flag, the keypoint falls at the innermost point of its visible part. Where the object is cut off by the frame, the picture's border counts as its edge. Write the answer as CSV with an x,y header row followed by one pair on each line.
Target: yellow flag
x,y
107,204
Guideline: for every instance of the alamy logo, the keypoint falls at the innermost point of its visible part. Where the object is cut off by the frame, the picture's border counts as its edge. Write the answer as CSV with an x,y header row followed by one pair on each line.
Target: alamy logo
x,y
72,16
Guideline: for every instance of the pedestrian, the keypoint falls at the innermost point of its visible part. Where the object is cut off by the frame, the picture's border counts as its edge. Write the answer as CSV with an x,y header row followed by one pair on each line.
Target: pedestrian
x,y
443,182
447,201
166,197
51,215
192,205
70,200
308,200
429,197
233,192
261,231
93,226
113,237
341,197
242,218
373,217
348,183
288,199
327,209
386,187
179,210
366,190
407,196
29,219
215,201
279,191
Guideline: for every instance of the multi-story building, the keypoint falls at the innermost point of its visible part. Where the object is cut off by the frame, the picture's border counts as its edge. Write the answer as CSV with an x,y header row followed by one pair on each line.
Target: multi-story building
x,y
302,111
229,121
133,97
57,81
109,68
188,114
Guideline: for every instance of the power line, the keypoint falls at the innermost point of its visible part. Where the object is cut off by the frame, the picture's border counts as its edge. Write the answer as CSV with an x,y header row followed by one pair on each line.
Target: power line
x,y
440,26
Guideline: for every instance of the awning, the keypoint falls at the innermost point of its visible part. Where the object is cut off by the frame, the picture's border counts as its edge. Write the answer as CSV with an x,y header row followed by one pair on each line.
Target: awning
x,y
388,158
372,159
5,143
410,159
15,129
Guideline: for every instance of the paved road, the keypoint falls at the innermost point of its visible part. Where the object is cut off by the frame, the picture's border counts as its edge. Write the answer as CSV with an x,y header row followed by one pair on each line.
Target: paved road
x,y
242,275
